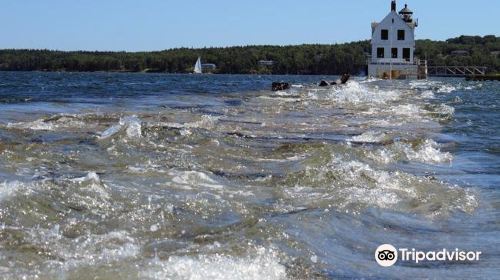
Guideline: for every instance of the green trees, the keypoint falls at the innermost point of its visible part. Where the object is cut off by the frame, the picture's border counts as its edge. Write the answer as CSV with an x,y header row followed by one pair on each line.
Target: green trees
x,y
302,59
480,51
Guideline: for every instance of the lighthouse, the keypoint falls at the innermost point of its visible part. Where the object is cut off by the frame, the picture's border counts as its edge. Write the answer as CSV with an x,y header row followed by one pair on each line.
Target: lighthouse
x,y
393,47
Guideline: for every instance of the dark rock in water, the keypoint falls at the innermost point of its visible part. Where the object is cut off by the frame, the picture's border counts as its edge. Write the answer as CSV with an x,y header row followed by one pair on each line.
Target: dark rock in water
x,y
343,79
280,86
324,84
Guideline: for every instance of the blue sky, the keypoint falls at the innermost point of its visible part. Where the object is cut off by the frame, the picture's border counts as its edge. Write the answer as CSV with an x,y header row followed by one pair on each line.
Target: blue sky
x,y
134,25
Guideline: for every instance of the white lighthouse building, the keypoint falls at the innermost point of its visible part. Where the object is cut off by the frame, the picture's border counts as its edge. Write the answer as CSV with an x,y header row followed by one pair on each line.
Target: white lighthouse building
x,y
393,47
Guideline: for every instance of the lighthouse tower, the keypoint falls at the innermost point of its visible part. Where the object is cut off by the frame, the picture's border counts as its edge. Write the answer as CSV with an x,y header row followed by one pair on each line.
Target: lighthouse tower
x,y
393,47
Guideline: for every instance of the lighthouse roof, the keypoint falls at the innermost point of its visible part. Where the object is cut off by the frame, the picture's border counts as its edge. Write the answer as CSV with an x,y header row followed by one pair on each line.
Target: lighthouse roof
x,y
406,11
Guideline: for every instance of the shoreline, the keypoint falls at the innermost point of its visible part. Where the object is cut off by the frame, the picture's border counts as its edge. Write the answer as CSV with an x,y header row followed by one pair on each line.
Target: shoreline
x,y
306,59
169,73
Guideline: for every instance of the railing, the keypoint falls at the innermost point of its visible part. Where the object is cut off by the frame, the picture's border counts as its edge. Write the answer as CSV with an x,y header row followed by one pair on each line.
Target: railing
x,y
456,71
417,62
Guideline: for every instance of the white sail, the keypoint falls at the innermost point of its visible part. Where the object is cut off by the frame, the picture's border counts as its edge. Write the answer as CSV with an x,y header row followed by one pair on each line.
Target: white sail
x,y
197,66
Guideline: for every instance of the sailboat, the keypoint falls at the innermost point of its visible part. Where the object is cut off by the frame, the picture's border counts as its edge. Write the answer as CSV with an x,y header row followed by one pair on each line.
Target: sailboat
x,y
197,67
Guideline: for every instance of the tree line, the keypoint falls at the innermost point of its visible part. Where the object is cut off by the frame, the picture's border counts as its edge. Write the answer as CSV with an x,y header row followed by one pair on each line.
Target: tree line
x,y
472,50
301,59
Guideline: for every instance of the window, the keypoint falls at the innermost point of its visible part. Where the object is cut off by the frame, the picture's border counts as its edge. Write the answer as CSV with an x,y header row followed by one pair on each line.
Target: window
x,y
406,54
384,34
394,52
380,52
401,35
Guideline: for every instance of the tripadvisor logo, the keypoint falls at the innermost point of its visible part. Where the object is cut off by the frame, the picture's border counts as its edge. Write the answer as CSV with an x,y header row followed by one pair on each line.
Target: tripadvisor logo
x,y
387,255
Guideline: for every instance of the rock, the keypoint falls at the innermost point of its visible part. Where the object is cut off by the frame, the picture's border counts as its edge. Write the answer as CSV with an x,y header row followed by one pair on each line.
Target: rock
x,y
324,84
280,86
345,78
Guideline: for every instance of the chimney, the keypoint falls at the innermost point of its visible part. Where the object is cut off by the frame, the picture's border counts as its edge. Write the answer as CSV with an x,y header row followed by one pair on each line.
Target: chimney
x,y
393,5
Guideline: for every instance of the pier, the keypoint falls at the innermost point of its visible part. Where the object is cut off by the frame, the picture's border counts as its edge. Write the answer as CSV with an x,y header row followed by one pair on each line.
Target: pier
x,y
456,71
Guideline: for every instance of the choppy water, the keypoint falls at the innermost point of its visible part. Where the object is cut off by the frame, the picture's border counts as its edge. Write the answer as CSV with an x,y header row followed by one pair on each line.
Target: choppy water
x,y
125,176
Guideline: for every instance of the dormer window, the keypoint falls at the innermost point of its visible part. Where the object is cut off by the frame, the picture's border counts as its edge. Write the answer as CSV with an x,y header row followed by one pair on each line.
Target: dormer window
x,y
384,34
401,35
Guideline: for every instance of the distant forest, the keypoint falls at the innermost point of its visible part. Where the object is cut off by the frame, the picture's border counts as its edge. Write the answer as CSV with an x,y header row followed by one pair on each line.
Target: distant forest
x,y
300,59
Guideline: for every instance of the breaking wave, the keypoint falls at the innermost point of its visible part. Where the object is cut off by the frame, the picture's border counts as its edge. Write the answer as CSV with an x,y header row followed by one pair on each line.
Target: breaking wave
x,y
352,185
130,125
427,151
263,265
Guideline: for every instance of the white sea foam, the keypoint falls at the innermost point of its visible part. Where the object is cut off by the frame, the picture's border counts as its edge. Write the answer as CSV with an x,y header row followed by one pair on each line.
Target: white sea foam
x,y
356,93
446,88
386,191
370,80
89,249
437,86
352,185
445,110
423,84
292,158
131,125
148,167
410,111
383,155
90,177
428,94
369,137
355,184
428,152
52,123
263,265
281,93
205,121
194,179
95,191
9,188
39,124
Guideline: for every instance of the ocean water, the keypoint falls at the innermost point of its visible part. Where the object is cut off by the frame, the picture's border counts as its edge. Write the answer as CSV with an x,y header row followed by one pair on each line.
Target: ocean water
x,y
150,176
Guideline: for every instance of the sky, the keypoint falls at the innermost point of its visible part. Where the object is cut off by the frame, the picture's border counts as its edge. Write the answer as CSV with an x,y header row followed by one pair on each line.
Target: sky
x,y
135,25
